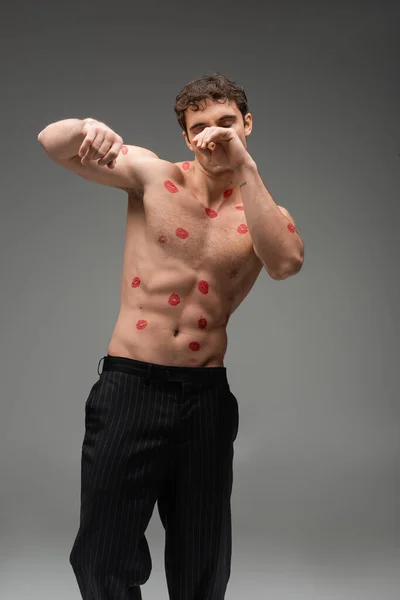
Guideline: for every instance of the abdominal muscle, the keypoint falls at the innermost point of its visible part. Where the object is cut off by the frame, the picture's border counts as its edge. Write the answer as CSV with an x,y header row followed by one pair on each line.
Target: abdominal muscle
x,y
172,311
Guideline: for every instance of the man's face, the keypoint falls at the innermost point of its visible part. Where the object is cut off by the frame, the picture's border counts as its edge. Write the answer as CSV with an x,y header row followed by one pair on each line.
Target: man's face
x,y
215,114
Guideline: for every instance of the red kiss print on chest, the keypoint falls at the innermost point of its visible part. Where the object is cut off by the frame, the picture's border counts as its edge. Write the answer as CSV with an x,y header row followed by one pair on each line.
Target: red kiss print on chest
x,y
186,166
141,324
181,233
203,286
202,323
211,213
242,228
171,187
228,193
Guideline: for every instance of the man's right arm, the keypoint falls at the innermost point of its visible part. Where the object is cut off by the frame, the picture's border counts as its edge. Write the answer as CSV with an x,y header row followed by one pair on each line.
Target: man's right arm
x,y
63,139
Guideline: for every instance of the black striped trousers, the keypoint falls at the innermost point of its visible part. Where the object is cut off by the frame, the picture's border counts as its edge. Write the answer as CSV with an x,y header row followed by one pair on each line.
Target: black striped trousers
x,y
162,434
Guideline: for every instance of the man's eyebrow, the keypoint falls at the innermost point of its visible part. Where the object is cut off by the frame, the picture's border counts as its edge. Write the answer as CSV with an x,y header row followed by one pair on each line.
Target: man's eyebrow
x,y
200,124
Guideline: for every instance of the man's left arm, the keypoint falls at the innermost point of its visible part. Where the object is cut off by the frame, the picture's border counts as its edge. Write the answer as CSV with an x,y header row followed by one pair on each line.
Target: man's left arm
x,y
272,228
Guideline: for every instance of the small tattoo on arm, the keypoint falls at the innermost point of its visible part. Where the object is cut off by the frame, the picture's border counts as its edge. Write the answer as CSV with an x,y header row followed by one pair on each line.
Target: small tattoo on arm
x,y
242,184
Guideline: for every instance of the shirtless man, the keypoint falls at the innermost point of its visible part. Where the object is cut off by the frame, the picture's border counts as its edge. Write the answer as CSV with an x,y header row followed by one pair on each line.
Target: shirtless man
x,y
198,234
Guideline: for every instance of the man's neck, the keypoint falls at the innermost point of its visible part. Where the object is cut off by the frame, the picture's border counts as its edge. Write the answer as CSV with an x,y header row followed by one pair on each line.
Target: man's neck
x,y
210,186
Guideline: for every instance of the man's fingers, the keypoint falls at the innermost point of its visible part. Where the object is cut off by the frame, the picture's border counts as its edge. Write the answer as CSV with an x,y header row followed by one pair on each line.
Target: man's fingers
x,y
103,150
95,145
86,143
112,154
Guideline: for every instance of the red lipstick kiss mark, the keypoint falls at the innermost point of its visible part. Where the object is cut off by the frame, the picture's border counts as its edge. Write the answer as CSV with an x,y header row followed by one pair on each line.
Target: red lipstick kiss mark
x,y
228,193
174,299
141,324
181,233
124,149
194,346
291,227
242,228
202,286
202,323
186,166
239,207
171,187
211,213
135,282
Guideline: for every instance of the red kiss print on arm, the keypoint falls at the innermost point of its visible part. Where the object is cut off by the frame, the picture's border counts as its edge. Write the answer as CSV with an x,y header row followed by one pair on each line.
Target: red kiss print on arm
x,y
291,227
171,187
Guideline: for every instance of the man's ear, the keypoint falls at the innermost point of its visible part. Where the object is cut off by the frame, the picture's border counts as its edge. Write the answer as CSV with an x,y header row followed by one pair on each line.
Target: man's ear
x,y
248,124
189,145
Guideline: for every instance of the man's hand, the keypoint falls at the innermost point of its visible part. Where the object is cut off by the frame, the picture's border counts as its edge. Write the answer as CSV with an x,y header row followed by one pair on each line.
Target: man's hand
x,y
101,144
223,146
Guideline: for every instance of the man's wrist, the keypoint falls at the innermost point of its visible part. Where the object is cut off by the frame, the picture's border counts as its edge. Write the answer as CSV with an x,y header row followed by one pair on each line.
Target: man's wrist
x,y
247,166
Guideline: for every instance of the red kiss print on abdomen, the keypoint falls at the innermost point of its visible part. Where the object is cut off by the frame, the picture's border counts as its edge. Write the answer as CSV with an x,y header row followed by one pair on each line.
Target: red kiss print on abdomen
x,y
135,282
174,299
194,346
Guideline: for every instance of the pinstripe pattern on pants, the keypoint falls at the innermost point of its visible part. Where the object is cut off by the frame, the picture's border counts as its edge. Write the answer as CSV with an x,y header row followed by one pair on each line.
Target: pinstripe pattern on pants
x,y
165,435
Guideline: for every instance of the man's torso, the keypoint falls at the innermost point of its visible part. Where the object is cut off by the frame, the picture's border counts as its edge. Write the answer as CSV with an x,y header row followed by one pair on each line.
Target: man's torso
x,y
186,269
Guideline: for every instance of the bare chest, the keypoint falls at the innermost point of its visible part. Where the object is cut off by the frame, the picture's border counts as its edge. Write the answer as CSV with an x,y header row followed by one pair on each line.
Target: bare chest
x,y
180,226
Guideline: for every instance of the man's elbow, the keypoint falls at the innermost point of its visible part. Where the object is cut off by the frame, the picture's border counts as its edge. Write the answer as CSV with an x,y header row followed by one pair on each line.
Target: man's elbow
x,y
287,270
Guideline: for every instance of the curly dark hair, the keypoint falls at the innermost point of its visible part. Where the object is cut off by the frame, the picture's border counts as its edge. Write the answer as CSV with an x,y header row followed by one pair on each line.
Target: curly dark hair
x,y
214,87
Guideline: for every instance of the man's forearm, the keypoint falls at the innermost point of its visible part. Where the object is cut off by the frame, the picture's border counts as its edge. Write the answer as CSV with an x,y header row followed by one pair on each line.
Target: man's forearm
x,y
63,138
280,249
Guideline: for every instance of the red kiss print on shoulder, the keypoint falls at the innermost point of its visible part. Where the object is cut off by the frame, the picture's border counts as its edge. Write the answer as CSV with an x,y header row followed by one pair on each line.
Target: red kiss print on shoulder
x,y
186,166
171,187
291,227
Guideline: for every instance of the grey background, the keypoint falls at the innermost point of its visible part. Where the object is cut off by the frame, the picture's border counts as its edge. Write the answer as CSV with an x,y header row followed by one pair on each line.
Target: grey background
x,y
312,360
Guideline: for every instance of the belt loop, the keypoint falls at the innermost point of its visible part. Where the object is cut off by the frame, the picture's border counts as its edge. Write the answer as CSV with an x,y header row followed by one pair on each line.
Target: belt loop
x,y
102,358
